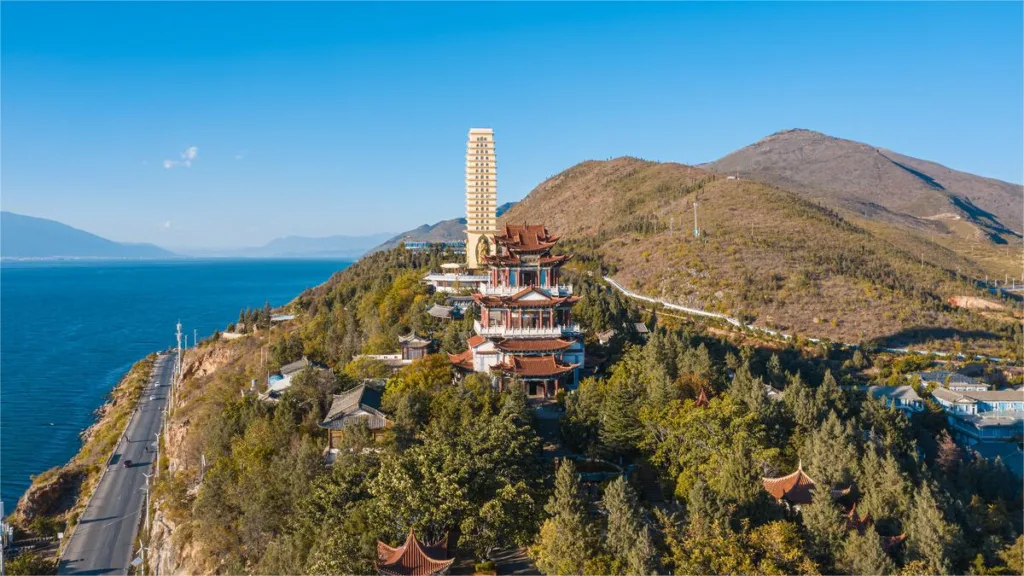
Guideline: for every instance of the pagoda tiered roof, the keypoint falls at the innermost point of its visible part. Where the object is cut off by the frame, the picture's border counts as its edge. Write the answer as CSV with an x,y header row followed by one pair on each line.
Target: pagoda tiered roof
x,y
526,238
519,300
535,366
533,344
513,260
413,558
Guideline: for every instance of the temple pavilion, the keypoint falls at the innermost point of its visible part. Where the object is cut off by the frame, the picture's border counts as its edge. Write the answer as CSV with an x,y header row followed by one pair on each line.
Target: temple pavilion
x,y
413,558
525,332
795,489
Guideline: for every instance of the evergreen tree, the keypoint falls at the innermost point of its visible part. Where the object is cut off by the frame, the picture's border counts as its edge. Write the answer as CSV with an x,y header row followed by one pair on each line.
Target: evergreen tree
x,y
826,528
565,541
829,396
628,538
775,373
929,537
800,401
620,424
830,453
884,489
863,554
703,506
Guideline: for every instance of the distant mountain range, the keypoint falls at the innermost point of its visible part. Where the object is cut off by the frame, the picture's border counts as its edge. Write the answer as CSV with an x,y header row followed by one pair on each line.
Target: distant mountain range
x,y
443,231
341,247
29,237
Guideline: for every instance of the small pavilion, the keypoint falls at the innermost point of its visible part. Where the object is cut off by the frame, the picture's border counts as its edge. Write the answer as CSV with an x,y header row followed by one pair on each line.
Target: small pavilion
x,y
413,558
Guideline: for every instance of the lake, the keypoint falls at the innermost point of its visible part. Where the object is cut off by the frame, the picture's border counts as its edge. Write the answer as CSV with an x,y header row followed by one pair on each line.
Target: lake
x,y
70,330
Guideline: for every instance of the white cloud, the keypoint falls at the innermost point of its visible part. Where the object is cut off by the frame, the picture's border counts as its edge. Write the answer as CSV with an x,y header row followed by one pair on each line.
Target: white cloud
x,y
166,224
187,157
240,155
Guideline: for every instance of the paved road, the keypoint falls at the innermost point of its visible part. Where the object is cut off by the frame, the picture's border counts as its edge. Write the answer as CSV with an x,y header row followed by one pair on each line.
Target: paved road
x,y
103,542
738,324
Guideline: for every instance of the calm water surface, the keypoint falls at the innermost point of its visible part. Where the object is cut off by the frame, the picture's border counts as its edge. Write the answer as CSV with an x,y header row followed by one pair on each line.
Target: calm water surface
x,y
70,330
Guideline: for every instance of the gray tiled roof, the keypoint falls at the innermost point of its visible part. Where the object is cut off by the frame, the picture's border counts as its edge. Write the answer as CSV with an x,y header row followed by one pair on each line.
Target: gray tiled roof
x,y
346,407
905,393
296,366
438,311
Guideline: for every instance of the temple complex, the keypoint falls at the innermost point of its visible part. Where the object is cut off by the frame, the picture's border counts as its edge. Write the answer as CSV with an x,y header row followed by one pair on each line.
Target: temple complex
x,y
413,558
525,332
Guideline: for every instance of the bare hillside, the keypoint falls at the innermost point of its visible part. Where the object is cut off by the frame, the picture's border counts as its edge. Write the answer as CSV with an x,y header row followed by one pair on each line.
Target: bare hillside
x,y
879,184
764,253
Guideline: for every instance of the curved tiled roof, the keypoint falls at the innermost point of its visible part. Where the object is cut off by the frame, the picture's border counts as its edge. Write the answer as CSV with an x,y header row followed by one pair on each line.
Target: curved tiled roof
x,y
526,238
535,366
413,558
795,488
533,344
462,359
476,340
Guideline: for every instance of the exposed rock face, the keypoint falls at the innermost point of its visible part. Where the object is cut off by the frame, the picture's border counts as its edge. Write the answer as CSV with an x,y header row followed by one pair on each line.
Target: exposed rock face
x,y
51,497
165,555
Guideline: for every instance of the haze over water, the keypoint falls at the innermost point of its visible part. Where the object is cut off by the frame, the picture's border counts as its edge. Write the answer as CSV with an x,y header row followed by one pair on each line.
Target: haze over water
x,y
70,330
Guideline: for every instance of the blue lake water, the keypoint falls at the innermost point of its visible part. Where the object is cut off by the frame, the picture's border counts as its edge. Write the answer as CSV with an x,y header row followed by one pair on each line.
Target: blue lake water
x,y
70,330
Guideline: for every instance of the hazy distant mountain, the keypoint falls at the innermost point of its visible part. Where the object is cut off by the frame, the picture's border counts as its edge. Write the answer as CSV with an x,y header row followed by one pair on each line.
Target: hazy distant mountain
x,y
443,231
29,237
344,247
878,184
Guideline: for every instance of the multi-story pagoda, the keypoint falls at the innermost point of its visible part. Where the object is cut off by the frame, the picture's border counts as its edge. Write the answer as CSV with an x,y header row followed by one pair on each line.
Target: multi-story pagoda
x,y
525,332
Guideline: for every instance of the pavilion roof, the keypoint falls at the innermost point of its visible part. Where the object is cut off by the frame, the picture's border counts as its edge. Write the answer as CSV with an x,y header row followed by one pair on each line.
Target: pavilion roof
x,y
890,542
535,366
533,344
361,403
795,488
702,399
855,521
475,340
413,558
463,359
526,238
413,341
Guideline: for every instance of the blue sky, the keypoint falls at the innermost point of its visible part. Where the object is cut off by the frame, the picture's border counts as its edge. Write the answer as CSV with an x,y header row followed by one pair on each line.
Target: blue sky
x,y
330,118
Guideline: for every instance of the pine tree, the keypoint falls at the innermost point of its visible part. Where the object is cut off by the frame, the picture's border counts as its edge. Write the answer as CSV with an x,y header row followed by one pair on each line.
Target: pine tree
x,y
628,538
929,537
830,453
565,541
775,374
800,402
828,396
825,527
620,424
863,554
703,507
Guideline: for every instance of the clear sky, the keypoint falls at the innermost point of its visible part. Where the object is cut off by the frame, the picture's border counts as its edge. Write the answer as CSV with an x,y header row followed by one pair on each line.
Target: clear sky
x,y
200,124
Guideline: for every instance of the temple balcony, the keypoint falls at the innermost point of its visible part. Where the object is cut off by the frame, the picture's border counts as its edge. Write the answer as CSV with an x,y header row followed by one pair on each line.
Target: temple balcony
x,y
559,291
508,332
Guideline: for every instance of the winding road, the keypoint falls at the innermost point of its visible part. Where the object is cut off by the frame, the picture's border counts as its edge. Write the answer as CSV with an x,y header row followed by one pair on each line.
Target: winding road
x,y
104,539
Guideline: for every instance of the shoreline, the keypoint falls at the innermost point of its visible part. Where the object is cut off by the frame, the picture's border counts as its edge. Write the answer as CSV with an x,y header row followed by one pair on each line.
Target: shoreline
x,y
56,497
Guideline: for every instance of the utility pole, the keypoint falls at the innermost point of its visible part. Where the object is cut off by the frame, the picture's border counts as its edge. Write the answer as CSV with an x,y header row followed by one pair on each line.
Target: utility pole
x,y
148,490
696,230
195,337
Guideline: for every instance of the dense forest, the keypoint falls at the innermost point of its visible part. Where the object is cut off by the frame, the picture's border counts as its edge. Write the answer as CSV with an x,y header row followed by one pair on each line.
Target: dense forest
x,y
478,465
